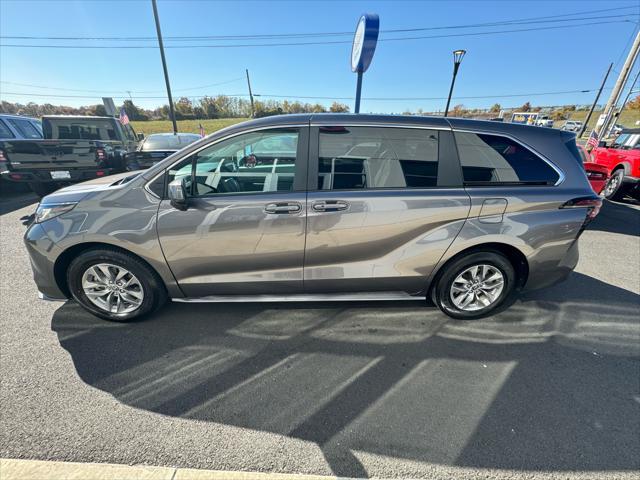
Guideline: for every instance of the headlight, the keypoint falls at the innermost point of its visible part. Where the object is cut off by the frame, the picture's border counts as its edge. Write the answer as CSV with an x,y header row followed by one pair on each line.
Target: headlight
x,y
47,211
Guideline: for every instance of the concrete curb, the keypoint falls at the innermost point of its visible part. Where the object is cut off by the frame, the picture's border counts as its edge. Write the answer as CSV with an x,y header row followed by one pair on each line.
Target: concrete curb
x,y
15,469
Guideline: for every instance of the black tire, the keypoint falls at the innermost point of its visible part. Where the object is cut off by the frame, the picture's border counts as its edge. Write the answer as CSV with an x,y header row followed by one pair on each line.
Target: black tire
x,y
42,189
440,293
614,189
155,293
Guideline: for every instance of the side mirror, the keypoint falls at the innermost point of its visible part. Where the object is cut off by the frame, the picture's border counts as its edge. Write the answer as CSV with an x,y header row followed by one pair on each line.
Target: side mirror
x,y
178,194
602,144
140,136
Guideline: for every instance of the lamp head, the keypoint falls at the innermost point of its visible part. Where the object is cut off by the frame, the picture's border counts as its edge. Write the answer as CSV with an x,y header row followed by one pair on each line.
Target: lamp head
x,y
457,56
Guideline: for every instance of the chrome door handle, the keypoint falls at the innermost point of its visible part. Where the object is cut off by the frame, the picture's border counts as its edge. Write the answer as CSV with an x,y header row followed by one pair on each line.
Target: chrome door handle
x,y
330,206
285,207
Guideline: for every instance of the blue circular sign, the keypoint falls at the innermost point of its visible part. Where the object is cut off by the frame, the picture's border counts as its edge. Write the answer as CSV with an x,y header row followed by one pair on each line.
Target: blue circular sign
x,y
364,42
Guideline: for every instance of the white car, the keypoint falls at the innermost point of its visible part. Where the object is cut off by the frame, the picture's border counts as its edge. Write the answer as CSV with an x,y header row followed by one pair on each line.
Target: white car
x,y
572,126
544,121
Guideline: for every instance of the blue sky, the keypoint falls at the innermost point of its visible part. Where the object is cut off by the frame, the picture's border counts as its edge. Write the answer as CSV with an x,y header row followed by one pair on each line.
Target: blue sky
x,y
553,60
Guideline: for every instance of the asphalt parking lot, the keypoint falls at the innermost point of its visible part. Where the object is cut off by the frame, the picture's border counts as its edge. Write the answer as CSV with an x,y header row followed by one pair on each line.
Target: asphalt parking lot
x,y
549,387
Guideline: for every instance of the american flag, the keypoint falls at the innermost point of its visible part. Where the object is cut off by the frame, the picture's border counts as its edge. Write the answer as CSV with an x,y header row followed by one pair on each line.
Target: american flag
x,y
124,118
202,131
593,139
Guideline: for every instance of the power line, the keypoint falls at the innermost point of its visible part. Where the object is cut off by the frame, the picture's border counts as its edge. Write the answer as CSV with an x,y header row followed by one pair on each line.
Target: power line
x,y
310,97
528,20
103,92
336,42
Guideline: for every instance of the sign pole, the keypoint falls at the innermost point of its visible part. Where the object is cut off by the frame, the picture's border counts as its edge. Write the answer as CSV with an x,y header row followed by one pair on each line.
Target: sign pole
x,y
364,45
358,92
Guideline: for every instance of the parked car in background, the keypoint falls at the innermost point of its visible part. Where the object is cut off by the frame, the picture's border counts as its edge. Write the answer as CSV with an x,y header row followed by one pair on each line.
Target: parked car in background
x,y
622,160
597,174
157,147
329,206
572,126
616,130
74,149
16,126
544,121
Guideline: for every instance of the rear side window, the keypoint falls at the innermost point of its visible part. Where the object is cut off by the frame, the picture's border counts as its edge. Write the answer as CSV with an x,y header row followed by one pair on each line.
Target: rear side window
x,y
4,131
377,157
493,159
25,128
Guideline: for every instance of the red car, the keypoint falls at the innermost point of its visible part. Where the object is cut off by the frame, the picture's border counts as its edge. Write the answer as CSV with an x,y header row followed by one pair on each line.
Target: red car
x,y
597,174
622,160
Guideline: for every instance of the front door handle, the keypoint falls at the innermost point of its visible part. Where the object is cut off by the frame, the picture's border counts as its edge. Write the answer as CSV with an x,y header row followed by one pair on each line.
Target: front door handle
x,y
330,206
284,207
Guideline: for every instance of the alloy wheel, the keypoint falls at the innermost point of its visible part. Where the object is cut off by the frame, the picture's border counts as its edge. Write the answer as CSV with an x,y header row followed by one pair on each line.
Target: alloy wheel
x,y
112,288
477,287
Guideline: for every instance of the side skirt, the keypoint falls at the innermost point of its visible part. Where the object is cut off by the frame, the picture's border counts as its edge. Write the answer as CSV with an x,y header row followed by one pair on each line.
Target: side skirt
x,y
304,297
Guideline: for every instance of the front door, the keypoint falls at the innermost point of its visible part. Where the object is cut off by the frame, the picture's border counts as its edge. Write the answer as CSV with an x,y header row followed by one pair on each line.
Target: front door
x,y
384,205
244,230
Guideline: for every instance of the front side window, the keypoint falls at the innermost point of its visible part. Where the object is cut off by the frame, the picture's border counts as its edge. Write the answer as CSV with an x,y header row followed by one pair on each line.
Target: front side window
x,y
4,131
254,162
377,157
493,159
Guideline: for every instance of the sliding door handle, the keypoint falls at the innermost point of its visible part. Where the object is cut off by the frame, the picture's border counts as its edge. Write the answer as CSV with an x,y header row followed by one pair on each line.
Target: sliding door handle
x,y
284,207
330,206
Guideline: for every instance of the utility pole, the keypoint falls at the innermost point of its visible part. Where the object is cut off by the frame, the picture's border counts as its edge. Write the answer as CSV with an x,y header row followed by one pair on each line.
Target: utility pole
x,y
626,99
595,102
618,87
172,112
253,112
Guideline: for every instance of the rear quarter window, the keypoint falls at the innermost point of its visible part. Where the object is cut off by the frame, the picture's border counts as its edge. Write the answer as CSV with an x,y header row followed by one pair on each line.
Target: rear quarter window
x,y
494,160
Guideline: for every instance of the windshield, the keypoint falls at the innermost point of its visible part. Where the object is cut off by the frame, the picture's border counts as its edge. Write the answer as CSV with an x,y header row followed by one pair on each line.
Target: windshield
x,y
626,141
168,142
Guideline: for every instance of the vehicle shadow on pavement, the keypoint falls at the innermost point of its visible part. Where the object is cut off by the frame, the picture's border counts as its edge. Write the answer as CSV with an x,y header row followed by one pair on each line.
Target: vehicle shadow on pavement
x,y
617,217
551,384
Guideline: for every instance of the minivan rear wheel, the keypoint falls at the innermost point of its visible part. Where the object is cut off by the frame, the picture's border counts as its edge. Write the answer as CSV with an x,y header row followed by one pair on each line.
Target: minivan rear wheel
x,y
474,285
115,285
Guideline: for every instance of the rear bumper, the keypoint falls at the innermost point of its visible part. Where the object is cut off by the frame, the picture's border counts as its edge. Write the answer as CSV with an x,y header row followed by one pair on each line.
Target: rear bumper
x,y
551,273
42,254
44,176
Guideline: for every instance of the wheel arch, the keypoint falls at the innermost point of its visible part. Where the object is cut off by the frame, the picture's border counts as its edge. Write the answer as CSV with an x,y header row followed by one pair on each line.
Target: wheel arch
x,y
513,254
64,260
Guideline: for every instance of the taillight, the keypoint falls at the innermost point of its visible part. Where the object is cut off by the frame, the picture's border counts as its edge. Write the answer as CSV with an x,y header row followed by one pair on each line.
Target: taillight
x,y
4,162
596,175
100,154
100,173
592,204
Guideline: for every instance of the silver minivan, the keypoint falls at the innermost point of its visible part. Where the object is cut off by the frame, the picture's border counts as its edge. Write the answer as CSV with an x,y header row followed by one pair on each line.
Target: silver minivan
x,y
463,213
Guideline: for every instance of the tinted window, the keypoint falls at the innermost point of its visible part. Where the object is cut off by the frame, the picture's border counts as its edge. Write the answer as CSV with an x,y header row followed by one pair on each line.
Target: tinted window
x,y
251,163
79,128
377,157
25,128
491,159
4,131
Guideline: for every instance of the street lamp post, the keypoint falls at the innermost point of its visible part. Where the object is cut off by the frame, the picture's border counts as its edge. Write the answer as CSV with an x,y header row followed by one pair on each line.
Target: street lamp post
x,y
457,58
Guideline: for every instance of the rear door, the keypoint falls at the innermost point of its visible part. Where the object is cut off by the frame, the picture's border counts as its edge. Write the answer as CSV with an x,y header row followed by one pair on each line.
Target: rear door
x,y
384,204
244,230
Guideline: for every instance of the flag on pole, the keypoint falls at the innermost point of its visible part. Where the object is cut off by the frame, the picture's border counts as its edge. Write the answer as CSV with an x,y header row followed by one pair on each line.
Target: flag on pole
x,y
201,131
124,118
593,139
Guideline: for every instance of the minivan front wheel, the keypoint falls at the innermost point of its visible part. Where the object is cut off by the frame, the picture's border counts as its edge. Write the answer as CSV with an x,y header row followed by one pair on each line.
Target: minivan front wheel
x,y
115,285
474,285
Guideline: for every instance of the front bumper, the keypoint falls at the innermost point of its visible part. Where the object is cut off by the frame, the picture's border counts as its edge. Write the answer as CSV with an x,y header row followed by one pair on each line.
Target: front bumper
x,y
43,254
